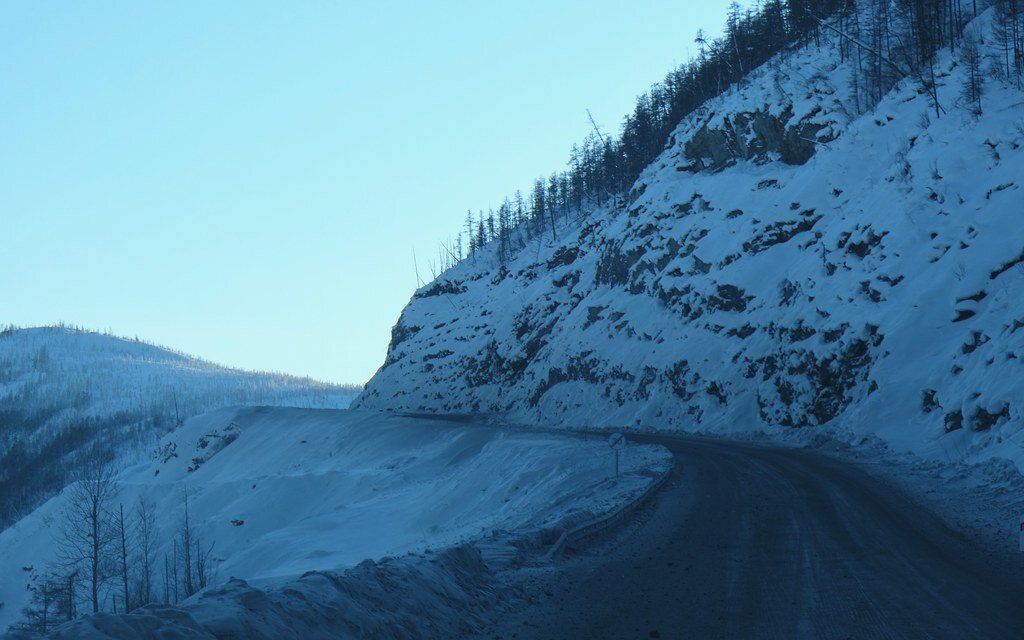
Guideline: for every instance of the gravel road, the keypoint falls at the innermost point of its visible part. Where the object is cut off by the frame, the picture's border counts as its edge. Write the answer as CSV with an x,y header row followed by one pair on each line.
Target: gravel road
x,y
749,541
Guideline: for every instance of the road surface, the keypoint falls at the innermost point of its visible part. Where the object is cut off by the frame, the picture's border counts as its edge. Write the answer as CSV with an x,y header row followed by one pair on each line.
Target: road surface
x,y
748,541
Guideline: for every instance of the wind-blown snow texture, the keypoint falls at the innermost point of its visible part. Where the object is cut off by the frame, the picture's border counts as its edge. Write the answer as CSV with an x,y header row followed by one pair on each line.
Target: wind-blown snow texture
x,y
784,263
284,491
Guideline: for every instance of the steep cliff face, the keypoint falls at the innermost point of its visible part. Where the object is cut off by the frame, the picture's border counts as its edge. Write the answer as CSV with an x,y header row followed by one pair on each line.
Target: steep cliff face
x,y
784,263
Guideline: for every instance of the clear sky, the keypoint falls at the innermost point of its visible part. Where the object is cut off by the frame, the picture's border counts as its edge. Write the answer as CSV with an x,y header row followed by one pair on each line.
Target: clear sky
x,y
247,181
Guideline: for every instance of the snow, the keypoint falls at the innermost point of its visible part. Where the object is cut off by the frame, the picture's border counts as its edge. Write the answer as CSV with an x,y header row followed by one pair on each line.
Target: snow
x,y
283,491
983,499
442,595
65,392
93,374
868,297
764,296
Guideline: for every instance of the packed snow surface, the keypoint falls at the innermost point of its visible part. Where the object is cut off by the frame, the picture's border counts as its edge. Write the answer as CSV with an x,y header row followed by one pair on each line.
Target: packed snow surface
x,y
283,491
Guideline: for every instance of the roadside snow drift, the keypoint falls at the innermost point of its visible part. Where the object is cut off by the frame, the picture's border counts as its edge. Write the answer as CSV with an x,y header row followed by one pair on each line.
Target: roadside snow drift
x,y
279,492
441,595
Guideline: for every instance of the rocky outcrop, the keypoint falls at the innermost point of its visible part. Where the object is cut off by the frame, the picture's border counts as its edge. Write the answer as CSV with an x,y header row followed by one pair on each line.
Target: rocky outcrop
x,y
756,135
806,268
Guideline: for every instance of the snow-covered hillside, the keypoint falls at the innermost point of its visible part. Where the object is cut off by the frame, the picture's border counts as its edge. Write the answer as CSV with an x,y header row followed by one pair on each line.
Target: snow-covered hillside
x,y
786,262
277,492
66,394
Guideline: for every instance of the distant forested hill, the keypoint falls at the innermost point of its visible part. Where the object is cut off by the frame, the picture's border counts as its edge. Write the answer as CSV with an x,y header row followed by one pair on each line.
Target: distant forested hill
x,y
67,395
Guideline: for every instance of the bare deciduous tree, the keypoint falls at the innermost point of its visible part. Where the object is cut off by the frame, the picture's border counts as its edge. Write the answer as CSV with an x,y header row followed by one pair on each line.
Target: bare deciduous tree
x,y
87,531
973,79
145,550
122,541
203,567
187,540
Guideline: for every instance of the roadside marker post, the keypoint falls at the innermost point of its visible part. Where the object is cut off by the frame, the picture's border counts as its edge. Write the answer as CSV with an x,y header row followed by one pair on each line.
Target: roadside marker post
x,y
617,442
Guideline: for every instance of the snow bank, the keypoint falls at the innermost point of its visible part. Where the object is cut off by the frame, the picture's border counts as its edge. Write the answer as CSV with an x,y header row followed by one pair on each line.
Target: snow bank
x,y
434,596
285,491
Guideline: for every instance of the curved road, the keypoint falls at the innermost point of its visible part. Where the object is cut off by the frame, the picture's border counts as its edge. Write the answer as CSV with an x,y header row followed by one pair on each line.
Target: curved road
x,y
747,541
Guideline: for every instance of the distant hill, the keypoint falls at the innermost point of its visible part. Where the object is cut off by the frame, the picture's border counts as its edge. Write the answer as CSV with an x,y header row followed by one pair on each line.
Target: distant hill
x,y
68,394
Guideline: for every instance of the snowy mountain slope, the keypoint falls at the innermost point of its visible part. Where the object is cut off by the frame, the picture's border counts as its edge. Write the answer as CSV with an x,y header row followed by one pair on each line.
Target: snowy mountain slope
x,y
283,491
66,393
785,262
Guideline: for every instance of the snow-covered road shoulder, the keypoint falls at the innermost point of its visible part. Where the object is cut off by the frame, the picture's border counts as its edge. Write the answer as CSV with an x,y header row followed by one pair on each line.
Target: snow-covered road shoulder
x,y
435,595
282,492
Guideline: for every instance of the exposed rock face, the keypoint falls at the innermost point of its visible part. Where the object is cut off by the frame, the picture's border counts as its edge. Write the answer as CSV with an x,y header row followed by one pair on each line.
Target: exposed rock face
x,y
782,264
757,135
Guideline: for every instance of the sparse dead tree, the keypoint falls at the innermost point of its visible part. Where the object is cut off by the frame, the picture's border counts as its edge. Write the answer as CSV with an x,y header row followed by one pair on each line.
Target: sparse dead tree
x,y
874,51
187,541
167,581
203,567
87,530
122,542
146,550
41,614
972,87
174,571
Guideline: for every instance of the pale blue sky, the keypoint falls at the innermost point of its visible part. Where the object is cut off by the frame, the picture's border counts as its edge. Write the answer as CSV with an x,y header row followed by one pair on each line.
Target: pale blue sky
x,y
247,181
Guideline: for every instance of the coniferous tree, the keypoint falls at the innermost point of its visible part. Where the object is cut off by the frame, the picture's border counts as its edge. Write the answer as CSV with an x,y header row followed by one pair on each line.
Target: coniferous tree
x,y
884,41
1009,38
553,205
972,87
538,210
469,232
505,230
